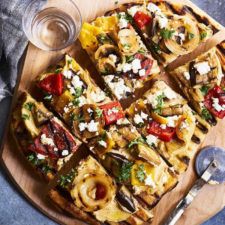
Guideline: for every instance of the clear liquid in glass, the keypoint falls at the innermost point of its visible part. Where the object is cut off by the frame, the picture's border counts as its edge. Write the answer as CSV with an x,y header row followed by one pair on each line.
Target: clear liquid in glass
x,y
52,28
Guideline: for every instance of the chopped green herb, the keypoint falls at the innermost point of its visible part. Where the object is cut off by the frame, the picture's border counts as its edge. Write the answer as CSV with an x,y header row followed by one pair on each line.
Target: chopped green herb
x,y
103,39
125,16
69,61
190,36
76,102
78,92
206,114
25,117
129,58
203,35
155,47
33,159
136,142
64,181
46,169
98,112
125,172
141,51
204,90
166,34
48,97
127,46
58,70
79,118
160,102
29,106
140,173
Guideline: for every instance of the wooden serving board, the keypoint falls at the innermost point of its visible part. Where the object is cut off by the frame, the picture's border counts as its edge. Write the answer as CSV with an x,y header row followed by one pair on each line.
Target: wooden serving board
x,y
210,200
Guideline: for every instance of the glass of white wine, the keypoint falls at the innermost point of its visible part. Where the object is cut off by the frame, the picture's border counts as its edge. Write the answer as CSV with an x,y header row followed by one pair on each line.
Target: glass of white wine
x,y
52,25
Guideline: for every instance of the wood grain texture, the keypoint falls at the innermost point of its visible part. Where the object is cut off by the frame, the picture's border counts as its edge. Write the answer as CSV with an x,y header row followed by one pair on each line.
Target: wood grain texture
x,y
210,200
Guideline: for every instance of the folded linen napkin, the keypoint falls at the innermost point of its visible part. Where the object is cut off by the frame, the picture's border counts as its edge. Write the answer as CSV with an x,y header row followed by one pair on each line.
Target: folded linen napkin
x,y
12,43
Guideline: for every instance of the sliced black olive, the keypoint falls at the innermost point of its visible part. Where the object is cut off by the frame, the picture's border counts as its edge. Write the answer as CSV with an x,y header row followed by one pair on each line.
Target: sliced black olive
x,y
163,47
185,160
181,29
125,201
118,157
212,121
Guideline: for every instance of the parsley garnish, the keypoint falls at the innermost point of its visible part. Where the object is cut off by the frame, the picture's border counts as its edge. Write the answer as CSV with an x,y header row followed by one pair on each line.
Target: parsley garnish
x,y
136,142
204,90
79,118
142,51
98,112
129,58
125,172
78,92
45,168
76,102
25,117
140,173
33,159
190,36
58,70
127,46
103,39
203,35
69,61
65,180
126,17
160,102
206,114
155,47
48,97
166,34
29,106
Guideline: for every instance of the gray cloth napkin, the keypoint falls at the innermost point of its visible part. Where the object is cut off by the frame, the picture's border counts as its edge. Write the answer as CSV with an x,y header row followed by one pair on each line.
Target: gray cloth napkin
x,y
12,43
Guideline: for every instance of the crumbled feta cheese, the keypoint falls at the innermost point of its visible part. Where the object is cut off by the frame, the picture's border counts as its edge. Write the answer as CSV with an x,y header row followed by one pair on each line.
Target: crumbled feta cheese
x,y
132,10
82,126
103,143
66,109
138,119
153,8
119,87
127,67
122,121
172,121
46,141
76,82
142,72
187,75
162,20
216,105
169,93
98,96
113,57
92,126
67,74
151,139
136,65
40,156
82,101
149,181
184,125
202,67
65,152
163,126
144,115
89,110
123,23
180,35
113,110
55,149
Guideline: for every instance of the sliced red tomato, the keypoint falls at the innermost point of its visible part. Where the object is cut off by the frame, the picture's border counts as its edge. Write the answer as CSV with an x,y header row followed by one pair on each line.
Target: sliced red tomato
x,y
112,112
100,191
163,134
146,64
219,93
53,84
141,19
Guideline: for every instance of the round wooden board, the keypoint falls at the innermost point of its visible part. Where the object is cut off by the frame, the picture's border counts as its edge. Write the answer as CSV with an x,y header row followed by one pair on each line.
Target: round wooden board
x,y
210,200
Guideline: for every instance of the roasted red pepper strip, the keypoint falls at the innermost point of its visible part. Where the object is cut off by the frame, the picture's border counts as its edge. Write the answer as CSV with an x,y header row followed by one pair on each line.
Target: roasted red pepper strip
x,y
163,134
53,84
112,112
217,93
141,19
